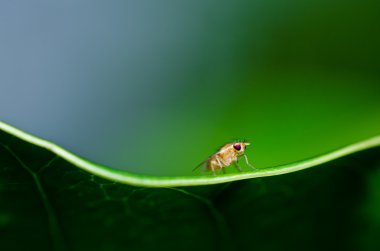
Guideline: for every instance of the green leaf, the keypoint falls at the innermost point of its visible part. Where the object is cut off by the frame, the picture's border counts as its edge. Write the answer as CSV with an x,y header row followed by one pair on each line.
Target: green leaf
x,y
51,199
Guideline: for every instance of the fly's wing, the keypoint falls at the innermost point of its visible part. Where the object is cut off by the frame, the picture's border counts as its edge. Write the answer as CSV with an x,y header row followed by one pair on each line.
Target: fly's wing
x,y
203,163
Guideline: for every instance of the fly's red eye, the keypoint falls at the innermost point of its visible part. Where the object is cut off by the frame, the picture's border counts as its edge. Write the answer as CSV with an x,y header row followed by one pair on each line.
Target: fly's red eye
x,y
237,147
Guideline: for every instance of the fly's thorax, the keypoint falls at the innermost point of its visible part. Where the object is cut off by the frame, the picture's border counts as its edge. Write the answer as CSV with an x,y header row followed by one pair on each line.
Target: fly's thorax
x,y
228,157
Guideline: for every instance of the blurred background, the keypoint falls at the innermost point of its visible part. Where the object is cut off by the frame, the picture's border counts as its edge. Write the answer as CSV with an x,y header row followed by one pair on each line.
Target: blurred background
x,y
155,87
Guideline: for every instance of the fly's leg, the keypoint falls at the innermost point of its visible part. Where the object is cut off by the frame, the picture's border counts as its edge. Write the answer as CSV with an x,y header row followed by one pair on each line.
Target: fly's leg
x,y
238,167
246,160
220,164
213,170
214,165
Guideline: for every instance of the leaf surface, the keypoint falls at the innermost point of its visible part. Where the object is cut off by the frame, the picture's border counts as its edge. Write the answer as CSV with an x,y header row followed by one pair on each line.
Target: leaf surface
x,y
51,199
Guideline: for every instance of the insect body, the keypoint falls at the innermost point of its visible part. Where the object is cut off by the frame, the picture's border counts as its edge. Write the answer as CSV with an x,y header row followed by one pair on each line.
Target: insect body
x,y
228,154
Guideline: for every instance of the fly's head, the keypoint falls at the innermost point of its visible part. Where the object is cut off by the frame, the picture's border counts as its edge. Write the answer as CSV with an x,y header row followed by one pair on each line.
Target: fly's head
x,y
239,147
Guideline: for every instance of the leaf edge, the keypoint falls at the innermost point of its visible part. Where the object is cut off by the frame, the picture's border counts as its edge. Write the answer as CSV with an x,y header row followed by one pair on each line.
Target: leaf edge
x,y
128,178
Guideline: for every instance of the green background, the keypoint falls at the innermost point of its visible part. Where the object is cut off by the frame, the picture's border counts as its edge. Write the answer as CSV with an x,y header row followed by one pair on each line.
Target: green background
x,y
155,88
